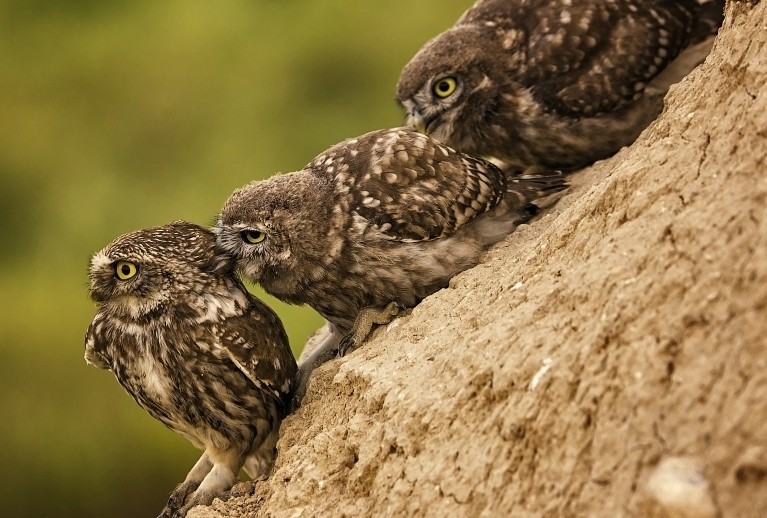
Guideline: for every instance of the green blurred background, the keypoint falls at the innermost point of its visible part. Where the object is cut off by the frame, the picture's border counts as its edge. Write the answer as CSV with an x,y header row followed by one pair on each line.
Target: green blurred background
x,y
117,115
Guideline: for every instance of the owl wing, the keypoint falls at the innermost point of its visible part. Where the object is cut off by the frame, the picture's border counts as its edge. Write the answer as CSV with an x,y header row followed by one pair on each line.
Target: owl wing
x,y
416,189
257,344
96,345
590,57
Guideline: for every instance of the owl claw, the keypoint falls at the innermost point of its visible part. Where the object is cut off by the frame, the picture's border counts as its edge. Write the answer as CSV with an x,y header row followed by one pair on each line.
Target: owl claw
x,y
245,488
181,513
205,498
348,343
363,324
177,499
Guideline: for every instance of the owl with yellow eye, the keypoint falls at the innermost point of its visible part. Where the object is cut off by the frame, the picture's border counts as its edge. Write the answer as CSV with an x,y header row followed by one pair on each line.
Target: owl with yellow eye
x,y
553,84
194,349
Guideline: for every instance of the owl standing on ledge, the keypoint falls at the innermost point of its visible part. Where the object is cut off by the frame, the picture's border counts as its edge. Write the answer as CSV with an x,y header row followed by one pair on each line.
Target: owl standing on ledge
x,y
373,225
554,83
194,349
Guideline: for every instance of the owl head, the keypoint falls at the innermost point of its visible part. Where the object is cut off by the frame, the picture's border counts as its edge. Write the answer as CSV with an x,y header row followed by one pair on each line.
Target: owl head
x,y
276,227
142,274
451,85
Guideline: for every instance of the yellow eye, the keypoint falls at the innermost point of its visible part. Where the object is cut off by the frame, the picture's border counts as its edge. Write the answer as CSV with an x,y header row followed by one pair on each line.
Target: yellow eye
x,y
125,270
444,87
252,236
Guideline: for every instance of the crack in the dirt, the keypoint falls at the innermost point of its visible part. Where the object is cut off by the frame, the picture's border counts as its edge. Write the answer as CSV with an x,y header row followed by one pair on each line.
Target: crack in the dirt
x,y
703,156
604,479
659,437
716,378
638,466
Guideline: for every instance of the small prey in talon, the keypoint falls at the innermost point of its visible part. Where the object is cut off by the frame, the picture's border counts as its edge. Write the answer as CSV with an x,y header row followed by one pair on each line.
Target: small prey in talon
x,y
377,222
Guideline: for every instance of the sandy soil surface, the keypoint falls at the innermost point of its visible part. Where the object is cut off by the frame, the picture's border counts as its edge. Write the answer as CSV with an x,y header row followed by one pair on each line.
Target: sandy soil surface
x,y
609,359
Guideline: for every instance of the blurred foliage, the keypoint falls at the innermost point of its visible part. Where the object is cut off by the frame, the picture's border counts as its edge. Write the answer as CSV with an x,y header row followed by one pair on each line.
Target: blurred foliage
x,y
117,115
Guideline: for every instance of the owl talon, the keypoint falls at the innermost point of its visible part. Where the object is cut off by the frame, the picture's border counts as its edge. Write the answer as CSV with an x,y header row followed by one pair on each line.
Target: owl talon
x,y
244,488
204,498
181,513
363,324
180,494
295,403
177,499
348,343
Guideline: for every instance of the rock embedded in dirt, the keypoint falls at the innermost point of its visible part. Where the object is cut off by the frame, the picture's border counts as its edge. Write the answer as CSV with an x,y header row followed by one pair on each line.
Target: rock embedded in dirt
x,y
678,488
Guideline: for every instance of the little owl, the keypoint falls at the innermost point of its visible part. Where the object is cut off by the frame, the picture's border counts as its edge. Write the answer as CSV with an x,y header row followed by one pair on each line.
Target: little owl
x,y
371,226
194,349
554,83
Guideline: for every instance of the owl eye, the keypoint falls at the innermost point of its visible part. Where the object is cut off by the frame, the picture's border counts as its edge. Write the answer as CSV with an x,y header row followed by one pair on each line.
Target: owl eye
x,y
125,270
444,87
252,236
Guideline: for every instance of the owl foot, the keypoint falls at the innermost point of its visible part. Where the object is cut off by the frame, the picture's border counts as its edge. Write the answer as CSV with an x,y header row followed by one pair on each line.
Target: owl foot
x,y
363,324
177,498
203,484
178,508
199,498
245,488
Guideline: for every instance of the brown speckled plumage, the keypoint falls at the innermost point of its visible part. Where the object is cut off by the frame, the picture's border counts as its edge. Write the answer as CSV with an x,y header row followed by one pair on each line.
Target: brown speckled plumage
x,y
388,217
194,349
553,83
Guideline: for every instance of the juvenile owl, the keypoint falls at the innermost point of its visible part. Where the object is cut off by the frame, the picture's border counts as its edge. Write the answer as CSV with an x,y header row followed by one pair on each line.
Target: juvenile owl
x,y
553,83
194,349
372,225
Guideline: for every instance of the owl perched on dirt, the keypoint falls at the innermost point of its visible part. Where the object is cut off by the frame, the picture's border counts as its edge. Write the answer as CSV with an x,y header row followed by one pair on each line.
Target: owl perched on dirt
x,y
553,83
194,349
372,225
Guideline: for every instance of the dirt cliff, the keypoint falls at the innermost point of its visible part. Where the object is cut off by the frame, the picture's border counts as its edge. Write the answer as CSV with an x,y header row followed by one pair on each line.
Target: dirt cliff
x,y
609,359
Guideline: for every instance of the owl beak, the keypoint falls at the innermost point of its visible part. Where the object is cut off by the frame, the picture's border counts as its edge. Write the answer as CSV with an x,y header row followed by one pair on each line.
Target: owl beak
x,y
417,121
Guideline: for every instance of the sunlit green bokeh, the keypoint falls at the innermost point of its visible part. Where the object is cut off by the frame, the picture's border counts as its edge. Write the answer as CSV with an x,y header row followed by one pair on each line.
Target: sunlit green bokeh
x,y
120,115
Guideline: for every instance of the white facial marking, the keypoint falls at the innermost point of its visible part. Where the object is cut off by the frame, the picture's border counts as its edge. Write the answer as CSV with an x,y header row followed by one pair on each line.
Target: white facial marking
x,y
100,260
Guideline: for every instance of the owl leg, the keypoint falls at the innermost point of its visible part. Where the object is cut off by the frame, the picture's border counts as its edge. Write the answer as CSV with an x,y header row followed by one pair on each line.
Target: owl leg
x,y
259,462
325,351
256,465
217,482
363,324
193,479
